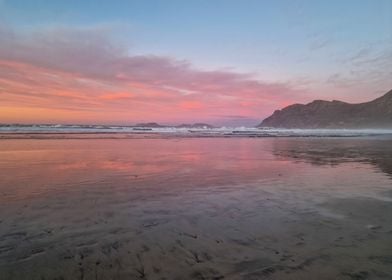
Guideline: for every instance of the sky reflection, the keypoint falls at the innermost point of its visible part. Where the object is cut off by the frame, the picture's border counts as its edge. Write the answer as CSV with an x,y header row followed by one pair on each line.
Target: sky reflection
x,y
33,167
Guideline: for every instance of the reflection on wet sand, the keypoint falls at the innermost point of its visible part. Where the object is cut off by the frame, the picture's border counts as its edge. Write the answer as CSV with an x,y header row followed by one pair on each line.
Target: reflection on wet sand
x,y
335,151
196,209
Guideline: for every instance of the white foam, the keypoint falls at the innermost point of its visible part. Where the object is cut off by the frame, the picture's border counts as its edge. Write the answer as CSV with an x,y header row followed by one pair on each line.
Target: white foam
x,y
220,131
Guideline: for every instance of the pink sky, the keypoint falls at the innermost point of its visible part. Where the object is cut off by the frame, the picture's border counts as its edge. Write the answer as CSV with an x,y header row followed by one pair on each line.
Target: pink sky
x,y
81,76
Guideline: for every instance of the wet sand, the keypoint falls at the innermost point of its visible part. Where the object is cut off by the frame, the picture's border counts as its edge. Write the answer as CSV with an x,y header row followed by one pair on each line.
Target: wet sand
x,y
196,209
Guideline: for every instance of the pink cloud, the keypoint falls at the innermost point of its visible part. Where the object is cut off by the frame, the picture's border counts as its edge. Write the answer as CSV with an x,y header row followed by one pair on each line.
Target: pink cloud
x,y
117,96
191,105
82,70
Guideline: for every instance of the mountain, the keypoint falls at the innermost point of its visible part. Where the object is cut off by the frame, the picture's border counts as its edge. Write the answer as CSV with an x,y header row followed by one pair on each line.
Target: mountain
x,y
334,114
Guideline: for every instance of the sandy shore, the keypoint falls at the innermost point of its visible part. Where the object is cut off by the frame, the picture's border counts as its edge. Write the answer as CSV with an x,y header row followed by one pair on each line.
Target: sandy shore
x,y
198,237
317,224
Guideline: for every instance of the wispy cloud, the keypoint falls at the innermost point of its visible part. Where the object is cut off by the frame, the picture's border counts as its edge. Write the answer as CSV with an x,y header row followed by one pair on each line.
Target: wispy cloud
x,y
319,43
369,68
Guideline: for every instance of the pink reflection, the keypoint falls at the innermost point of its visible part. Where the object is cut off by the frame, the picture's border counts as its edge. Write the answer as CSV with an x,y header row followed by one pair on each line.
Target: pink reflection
x,y
33,168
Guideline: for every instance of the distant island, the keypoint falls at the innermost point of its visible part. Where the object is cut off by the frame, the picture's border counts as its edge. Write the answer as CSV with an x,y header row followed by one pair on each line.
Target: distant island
x,y
334,114
150,125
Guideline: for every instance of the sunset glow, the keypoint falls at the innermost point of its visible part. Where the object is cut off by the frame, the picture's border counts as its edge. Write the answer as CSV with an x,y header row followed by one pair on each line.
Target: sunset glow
x,y
195,139
89,69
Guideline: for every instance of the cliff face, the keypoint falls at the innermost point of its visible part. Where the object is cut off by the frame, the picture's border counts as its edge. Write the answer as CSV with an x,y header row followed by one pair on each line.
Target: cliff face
x,y
334,114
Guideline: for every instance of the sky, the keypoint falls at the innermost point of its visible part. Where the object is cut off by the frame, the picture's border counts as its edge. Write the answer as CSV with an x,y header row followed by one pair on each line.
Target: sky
x,y
223,62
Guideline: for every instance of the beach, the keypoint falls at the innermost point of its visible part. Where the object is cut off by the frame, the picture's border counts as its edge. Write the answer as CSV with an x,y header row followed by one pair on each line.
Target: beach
x,y
196,208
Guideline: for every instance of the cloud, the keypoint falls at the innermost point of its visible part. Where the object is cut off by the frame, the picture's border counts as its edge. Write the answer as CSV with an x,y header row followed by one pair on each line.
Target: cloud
x,y
362,53
117,96
190,105
319,43
83,69
370,65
